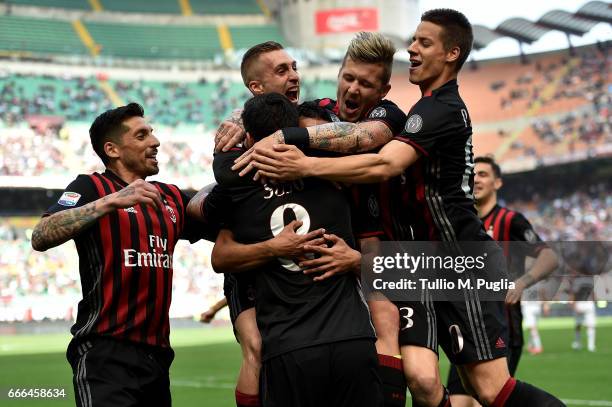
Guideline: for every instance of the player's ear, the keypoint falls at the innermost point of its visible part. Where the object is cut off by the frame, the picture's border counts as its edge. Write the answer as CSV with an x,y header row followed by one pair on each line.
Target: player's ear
x,y
256,87
111,149
249,139
452,55
385,89
498,183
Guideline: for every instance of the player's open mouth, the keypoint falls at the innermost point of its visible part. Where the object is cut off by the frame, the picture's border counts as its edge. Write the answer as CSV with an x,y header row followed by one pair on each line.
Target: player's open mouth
x,y
152,157
414,64
292,94
351,106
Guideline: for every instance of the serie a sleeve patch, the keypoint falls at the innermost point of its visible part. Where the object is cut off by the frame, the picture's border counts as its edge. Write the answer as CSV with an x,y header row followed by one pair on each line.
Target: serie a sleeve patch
x,y
69,199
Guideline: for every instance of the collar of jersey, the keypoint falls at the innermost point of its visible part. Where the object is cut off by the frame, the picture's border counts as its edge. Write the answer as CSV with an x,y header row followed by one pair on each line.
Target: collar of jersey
x,y
109,174
495,208
452,84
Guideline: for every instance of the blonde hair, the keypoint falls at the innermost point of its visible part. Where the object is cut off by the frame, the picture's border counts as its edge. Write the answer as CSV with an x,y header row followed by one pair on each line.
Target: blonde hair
x,y
372,48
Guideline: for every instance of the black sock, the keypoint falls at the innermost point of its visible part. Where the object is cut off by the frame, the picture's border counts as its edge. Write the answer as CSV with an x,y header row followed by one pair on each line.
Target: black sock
x,y
393,381
520,394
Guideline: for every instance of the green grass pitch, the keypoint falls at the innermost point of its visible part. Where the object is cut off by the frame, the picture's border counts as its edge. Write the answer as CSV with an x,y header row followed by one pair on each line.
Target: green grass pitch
x,y
207,361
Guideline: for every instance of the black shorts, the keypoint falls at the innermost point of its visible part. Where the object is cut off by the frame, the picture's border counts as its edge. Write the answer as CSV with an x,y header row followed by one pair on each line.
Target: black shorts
x,y
339,374
468,331
418,324
111,372
454,384
239,289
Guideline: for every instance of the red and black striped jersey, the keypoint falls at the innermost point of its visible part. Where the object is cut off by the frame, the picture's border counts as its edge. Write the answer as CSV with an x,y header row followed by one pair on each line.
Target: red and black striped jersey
x,y
439,128
125,261
506,226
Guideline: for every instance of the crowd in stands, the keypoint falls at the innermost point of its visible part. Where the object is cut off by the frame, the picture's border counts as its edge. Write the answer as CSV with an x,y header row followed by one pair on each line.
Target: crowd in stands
x,y
80,99
72,97
587,84
587,79
40,277
24,152
582,214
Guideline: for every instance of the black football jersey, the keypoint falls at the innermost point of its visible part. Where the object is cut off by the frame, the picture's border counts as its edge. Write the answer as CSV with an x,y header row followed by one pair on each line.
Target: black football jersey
x,y
439,127
293,311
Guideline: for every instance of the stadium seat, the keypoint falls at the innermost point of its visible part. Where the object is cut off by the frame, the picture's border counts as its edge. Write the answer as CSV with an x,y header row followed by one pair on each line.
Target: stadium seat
x,y
40,36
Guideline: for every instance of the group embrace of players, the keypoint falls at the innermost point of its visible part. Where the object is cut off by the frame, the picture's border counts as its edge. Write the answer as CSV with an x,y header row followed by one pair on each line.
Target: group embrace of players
x,y
303,192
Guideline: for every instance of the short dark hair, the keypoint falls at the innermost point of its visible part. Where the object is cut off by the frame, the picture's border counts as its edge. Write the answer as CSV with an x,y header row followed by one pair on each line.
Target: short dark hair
x,y
313,110
456,31
487,159
109,127
251,56
267,113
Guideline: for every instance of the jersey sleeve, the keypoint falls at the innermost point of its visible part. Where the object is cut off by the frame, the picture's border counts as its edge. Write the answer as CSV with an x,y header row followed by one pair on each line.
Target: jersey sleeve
x,y
365,211
429,124
388,113
78,193
217,208
522,231
195,229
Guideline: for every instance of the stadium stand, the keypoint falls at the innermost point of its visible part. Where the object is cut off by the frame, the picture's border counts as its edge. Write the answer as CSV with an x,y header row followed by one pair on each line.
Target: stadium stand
x,y
155,41
38,35
29,278
140,6
206,7
171,104
247,36
201,42
579,215
73,98
68,4
225,7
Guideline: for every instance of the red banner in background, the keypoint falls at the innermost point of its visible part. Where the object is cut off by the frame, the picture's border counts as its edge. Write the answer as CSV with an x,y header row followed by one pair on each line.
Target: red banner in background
x,y
346,20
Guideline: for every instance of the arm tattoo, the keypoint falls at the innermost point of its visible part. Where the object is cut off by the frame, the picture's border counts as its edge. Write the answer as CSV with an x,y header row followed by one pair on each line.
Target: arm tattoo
x,y
127,191
236,118
346,137
63,226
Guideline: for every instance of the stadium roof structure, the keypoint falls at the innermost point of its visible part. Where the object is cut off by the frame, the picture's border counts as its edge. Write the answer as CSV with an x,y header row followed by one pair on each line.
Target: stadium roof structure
x,y
525,31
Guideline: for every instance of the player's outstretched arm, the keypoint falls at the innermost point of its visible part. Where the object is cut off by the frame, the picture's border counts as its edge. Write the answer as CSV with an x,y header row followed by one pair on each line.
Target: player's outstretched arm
x,y
230,132
344,137
544,265
62,226
341,137
339,258
285,163
229,256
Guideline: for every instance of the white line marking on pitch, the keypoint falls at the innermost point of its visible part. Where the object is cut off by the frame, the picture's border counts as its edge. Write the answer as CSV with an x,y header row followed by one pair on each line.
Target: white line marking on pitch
x,y
603,403
202,385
